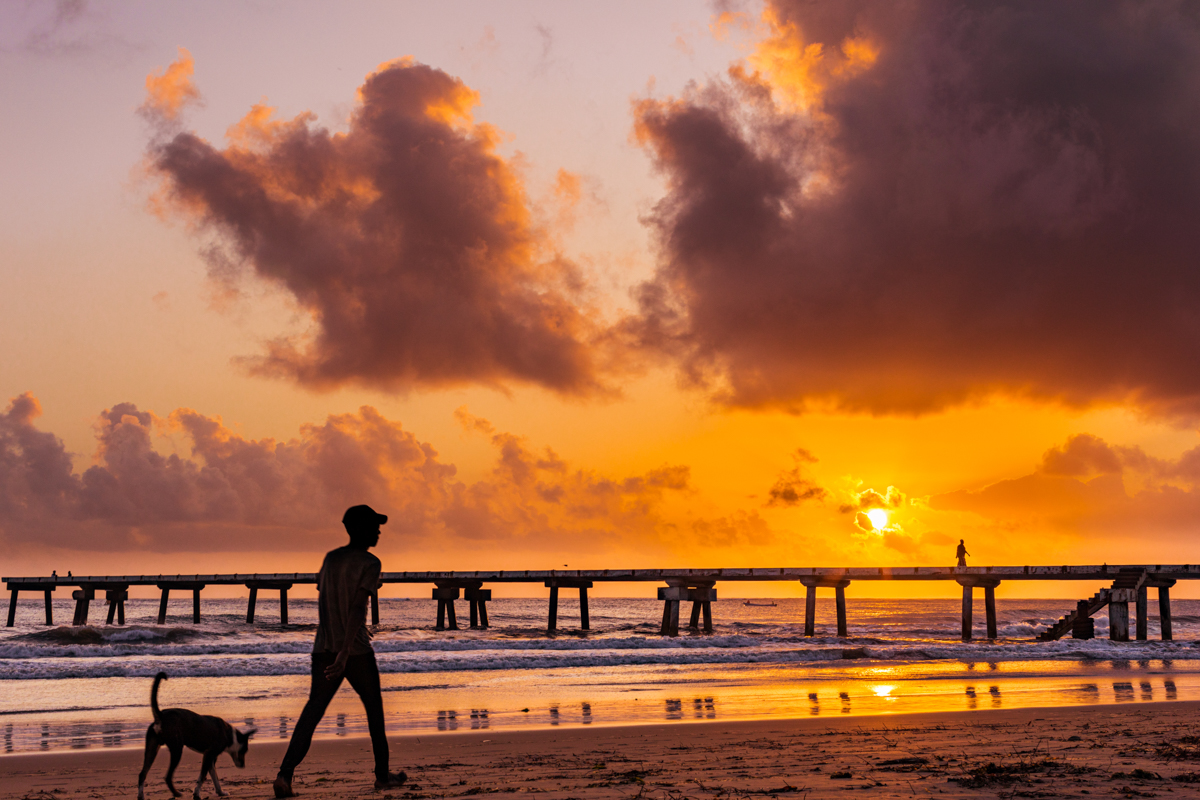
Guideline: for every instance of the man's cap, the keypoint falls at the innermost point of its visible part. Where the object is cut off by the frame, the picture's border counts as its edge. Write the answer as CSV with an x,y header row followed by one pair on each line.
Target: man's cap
x,y
362,515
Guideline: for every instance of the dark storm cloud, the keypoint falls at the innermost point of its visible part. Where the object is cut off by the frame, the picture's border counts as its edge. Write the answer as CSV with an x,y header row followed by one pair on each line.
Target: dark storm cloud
x,y
407,239
941,202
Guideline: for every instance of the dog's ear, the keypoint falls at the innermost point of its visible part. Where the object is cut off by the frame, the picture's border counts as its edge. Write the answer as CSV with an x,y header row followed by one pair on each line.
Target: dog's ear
x,y
248,732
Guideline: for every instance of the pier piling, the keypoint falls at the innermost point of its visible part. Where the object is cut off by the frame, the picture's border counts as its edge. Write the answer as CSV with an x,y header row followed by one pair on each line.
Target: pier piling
x,y
1140,615
838,584
477,599
83,599
446,594
116,604
162,604
989,605
568,583
14,593
702,596
1164,608
968,605
1129,587
1083,626
671,596
280,586
1118,620
701,593
968,610
810,609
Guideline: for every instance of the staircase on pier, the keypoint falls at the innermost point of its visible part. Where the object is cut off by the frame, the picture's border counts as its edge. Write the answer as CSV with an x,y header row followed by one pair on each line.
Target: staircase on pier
x,y
1126,588
1061,628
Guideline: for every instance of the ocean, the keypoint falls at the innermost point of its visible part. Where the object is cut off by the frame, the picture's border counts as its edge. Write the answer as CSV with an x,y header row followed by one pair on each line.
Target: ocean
x,y
88,687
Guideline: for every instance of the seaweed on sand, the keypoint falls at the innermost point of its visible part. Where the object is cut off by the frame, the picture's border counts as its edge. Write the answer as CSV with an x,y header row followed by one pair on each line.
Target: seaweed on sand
x,y
1005,774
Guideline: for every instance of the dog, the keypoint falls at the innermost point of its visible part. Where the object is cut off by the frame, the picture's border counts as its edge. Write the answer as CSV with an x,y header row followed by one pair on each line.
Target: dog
x,y
178,728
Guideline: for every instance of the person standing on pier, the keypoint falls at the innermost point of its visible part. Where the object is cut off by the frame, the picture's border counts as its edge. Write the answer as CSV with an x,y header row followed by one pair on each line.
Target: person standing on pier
x,y
349,576
962,554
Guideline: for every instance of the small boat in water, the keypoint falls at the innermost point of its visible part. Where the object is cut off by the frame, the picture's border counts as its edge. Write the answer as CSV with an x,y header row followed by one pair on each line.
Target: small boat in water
x,y
765,605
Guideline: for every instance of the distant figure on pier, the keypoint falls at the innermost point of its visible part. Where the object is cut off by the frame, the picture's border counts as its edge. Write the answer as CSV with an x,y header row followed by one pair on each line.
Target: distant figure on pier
x,y
68,573
962,554
349,576
54,574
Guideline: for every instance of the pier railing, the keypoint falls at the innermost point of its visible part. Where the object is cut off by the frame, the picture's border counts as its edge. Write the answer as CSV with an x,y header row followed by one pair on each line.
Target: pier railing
x,y
1130,583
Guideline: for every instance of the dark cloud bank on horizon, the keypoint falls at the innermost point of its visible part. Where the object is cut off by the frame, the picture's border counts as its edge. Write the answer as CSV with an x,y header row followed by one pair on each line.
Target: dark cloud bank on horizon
x,y
1003,201
1096,491
223,492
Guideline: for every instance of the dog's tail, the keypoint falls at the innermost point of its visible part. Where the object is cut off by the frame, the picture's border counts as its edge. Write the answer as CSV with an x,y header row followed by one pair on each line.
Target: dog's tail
x,y
159,678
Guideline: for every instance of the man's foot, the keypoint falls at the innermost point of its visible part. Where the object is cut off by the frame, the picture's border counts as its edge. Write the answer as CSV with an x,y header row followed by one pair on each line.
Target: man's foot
x,y
394,781
283,788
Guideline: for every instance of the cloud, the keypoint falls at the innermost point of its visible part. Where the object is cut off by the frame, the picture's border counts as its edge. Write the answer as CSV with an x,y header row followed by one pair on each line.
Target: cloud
x,y
407,240
471,423
1094,491
36,480
896,208
868,499
63,28
218,491
792,487
170,90
925,545
739,530
1081,456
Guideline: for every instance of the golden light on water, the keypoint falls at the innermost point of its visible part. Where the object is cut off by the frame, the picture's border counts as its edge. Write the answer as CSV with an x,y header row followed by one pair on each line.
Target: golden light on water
x,y
883,690
878,517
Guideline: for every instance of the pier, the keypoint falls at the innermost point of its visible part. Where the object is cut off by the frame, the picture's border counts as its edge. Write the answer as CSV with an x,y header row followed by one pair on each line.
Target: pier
x,y
1129,584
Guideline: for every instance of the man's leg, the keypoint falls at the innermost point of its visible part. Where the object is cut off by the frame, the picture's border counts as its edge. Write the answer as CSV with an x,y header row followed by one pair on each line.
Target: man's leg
x,y
320,692
363,674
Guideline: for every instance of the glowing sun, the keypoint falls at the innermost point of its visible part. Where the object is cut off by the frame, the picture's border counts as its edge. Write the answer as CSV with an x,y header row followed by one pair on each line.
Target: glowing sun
x,y
878,517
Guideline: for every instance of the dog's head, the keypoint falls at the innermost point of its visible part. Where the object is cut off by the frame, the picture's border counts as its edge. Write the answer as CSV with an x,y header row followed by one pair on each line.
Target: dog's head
x,y
240,744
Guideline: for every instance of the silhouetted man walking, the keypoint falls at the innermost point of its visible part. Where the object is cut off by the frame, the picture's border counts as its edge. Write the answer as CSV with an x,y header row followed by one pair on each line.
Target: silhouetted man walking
x,y
349,576
962,553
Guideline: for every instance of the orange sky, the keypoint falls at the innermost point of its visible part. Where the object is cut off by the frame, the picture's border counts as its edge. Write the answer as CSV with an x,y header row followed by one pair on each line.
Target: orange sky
x,y
779,286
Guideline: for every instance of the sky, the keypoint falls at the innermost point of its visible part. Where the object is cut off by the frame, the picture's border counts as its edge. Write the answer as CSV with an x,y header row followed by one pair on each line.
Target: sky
x,y
680,284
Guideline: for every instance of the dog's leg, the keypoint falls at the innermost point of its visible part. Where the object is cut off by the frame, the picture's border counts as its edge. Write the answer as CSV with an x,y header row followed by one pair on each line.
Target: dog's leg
x,y
217,781
152,745
205,766
176,754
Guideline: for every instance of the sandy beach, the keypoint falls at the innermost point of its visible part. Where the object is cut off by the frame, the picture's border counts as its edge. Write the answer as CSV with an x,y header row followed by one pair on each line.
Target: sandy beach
x,y
1150,750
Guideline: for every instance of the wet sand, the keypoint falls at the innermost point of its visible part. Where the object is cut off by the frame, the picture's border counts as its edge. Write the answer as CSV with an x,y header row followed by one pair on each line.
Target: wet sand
x,y
1147,750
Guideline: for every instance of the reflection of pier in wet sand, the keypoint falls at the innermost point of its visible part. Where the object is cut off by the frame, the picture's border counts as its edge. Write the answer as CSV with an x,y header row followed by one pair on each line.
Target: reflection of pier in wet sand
x,y
698,586
1133,684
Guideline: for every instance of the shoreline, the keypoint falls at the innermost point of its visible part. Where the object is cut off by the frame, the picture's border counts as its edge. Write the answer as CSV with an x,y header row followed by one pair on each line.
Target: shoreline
x,y
567,700
1055,751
